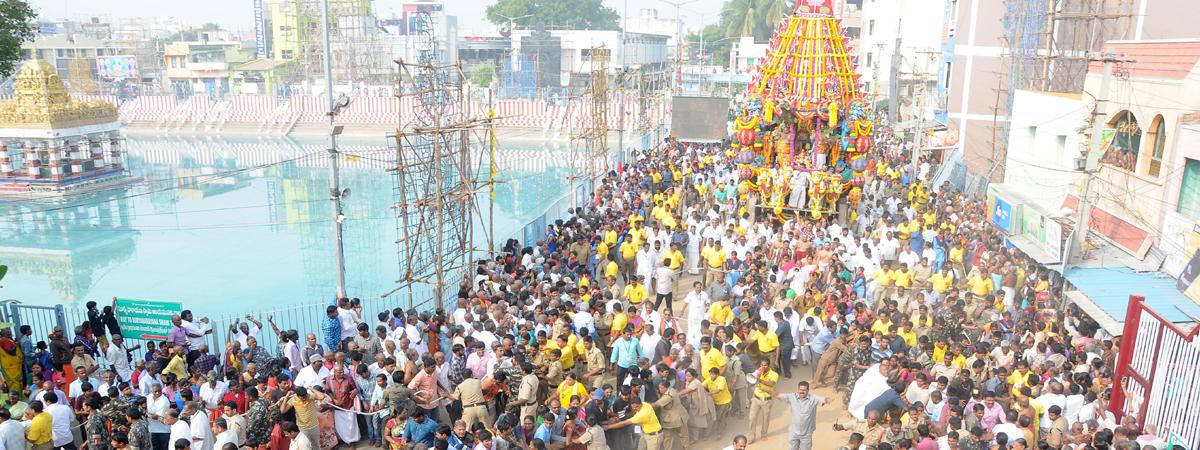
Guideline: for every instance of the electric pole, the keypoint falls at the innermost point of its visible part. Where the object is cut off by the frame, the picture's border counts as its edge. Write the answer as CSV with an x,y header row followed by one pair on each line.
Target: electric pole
x,y
1090,163
335,192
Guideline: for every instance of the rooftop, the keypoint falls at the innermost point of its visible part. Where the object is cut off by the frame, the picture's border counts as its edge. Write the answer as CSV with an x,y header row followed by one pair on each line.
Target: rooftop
x,y
1171,59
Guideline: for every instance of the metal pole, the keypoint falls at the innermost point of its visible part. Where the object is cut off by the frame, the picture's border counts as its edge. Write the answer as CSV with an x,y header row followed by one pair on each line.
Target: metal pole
x,y
491,177
621,85
1085,203
335,192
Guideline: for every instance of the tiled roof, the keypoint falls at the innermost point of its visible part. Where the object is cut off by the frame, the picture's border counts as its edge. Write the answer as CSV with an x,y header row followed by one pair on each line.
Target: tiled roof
x,y
1170,59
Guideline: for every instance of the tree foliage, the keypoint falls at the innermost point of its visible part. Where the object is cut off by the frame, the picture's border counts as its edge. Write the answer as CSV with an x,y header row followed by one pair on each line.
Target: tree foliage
x,y
716,45
483,74
16,27
753,17
575,14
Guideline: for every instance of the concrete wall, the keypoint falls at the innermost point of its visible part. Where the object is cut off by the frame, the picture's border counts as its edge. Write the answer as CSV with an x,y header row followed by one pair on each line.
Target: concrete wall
x,y
1043,143
976,72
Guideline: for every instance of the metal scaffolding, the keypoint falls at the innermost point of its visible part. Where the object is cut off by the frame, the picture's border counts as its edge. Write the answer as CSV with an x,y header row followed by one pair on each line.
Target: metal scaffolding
x,y
593,161
438,156
1047,46
358,46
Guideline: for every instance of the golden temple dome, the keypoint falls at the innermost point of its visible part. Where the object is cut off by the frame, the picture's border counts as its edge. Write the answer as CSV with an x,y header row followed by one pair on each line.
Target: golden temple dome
x,y
40,101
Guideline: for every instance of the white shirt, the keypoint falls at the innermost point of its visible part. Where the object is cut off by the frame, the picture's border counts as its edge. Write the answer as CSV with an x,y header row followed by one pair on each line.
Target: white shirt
x,y
202,435
146,383
74,389
301,442
1011,430
159,408
193,328
212,395
226,437
1047,400
349,321
241,337
61,424
119,359
308,377
180,430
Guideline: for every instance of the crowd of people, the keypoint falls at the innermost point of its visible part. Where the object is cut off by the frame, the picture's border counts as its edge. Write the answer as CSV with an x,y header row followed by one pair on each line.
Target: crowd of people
x,y
671,307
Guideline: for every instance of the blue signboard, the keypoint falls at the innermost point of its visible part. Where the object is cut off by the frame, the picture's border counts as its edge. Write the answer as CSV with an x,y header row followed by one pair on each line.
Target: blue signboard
x,y
260,32
1002,215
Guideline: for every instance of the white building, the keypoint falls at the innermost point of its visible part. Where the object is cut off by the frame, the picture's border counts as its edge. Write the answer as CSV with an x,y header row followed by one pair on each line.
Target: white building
x,y
899,49
1043,143
641,49
745,54
648,22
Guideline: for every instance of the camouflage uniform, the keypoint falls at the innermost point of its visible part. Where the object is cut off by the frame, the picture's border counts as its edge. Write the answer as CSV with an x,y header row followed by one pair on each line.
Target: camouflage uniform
x,y
258,422
139,436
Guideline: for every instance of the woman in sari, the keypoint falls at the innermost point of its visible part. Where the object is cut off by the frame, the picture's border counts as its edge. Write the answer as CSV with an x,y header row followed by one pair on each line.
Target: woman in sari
x,y
11,360
699,404
393,431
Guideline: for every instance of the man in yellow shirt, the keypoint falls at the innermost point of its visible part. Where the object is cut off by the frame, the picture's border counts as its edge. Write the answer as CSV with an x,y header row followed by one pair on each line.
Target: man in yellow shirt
x,y
981,284
40,428
636,292
760,403
644,416
718,388
940,282
883,286
611,269
719,313
710,357
766,344
628,250
714,265
675,256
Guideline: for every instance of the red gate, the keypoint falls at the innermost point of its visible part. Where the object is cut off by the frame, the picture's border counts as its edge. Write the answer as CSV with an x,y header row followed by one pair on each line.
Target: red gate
x,y
1160,361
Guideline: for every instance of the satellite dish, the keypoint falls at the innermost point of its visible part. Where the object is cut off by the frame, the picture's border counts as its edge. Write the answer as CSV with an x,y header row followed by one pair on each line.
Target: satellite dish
x,y
505,30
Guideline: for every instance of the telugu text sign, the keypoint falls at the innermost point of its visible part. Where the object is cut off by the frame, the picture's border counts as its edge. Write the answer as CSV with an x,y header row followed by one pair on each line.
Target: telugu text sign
x,y
145,319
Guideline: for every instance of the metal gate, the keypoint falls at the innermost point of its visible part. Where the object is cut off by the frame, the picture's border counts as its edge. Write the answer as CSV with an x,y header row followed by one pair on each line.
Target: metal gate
x,y
42,319
1159,361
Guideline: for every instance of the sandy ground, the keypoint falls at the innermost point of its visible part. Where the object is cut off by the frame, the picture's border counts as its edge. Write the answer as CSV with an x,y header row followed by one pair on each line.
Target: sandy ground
x,y
777,437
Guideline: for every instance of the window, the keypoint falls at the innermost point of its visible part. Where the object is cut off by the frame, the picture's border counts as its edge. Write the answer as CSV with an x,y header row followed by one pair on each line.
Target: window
x,y
1189,190
1126,141
870,57
1158,142
947,74
1060,146
871,27
1030,135
286,54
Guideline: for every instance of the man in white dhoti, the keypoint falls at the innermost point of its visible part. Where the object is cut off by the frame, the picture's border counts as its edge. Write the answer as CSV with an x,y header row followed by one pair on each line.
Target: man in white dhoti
x,y
343,394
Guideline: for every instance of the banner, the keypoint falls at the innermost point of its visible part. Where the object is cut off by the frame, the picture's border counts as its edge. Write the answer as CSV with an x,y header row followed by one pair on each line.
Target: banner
x,y
116,66
145,319
260,31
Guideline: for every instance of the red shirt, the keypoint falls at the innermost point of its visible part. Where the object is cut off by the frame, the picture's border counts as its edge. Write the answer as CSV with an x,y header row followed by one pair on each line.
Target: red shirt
x,y
238,398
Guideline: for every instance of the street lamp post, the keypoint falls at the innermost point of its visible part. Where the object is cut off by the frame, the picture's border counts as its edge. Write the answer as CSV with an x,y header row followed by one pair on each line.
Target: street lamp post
x,y
335,192
677,79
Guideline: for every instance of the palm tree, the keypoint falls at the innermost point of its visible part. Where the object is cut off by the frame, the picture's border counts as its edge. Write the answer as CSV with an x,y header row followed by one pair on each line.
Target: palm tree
x,y
753,17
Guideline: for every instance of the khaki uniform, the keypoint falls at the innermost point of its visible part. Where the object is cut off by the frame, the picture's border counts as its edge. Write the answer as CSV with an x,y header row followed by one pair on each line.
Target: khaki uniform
x,y
474,408
527,393
672,416
594,360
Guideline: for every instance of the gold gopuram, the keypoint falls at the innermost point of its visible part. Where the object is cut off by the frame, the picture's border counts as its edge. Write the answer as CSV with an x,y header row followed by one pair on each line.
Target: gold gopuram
x,y
60,144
